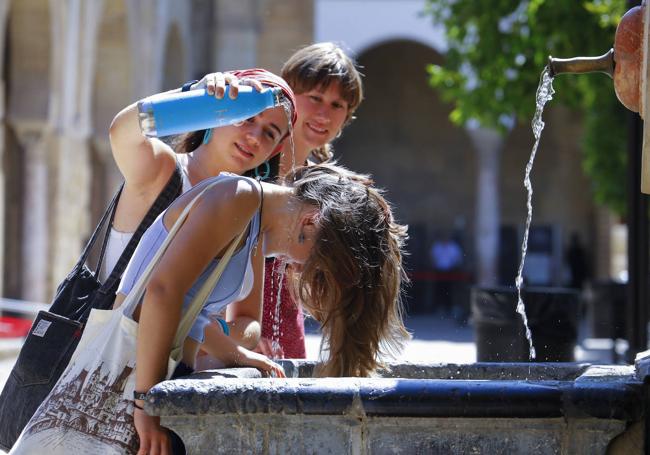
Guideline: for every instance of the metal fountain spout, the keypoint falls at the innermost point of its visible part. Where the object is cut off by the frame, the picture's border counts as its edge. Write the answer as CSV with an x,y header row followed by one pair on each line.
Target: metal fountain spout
x,y
627,65
601,64
623,63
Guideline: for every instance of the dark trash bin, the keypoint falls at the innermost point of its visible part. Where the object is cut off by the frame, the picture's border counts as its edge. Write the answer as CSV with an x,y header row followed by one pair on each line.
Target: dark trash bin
x,y
552,317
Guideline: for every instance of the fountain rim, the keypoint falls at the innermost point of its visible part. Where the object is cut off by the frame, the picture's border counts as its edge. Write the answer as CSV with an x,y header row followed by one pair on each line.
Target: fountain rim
x,y
588,396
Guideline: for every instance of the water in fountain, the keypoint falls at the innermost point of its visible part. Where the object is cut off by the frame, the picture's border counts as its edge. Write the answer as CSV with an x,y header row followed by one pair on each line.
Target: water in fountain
x,y
544,94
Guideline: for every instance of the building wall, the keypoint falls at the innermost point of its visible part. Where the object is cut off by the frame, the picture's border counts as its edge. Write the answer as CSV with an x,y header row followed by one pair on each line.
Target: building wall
x,y
283,27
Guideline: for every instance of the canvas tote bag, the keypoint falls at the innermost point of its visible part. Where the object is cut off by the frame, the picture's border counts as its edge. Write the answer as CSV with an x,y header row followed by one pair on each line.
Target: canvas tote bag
x,y
55,333
90,409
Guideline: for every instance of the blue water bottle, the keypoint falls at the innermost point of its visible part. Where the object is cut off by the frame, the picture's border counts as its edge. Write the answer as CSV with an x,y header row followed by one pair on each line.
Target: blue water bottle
x,y
181,112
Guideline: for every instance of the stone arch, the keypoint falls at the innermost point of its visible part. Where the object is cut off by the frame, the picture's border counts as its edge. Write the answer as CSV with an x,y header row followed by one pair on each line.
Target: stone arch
x,y
174,59
385,38
403,137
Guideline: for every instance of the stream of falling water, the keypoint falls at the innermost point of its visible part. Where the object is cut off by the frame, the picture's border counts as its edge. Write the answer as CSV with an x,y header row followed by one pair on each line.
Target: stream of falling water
x,y
286,105
277,279
544,94
279,268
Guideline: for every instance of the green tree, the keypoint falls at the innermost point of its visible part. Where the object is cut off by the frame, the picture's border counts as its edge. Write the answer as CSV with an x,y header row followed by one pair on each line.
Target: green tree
x,y
497,51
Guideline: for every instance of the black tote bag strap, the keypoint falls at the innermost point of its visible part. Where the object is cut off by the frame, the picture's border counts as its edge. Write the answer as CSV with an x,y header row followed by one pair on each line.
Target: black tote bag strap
x,y
102,253
109,213
171,191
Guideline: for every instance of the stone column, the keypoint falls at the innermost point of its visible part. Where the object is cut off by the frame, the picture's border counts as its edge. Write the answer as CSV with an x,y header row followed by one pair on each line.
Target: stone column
x,y
74,29
72,205
146,41
4,9
235,40
3,193
611,245
284,27
149,24
35,242
488,145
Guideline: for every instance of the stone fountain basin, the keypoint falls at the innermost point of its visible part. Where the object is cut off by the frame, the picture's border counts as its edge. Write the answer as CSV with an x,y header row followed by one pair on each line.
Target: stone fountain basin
x,y
414,408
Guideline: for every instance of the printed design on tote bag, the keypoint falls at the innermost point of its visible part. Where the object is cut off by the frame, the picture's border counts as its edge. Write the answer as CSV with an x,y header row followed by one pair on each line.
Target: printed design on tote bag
x,y
90,404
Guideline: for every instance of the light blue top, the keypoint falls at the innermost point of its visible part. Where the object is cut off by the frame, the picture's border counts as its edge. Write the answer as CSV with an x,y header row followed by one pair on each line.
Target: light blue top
x,y
235,283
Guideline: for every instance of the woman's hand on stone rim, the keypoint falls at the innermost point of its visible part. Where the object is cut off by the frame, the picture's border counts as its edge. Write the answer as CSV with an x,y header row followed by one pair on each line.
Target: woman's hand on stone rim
x,y
154,439
261,362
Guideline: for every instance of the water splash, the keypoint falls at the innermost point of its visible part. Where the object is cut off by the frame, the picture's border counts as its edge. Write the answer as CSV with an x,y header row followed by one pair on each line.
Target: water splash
x,y
277,279
280,266
544,94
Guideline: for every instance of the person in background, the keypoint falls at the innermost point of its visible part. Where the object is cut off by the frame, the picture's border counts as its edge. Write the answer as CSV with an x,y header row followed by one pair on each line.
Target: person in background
x,y
576,258
446,258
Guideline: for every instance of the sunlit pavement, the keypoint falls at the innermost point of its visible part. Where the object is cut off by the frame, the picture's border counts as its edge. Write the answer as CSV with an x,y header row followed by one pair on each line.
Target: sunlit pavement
x,y
434,339
442,340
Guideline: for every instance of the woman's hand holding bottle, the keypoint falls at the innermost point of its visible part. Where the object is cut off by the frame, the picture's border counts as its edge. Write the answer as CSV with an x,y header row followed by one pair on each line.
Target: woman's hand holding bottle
x,y
215,84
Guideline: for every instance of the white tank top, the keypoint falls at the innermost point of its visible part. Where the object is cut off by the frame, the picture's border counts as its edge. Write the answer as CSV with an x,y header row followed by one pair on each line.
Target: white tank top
x,y
117,240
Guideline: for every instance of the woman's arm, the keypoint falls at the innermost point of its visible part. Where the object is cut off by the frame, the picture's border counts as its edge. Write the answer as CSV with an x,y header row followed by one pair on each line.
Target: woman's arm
x,y
143,161
146,165
245,331
222,213
223,347
245,326
245,316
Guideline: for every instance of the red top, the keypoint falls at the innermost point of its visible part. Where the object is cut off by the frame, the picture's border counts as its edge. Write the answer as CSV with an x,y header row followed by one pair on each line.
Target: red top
x,y
292,321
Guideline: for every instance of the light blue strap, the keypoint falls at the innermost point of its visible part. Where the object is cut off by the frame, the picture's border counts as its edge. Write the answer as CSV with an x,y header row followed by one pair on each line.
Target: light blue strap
x,y
224,326
207,136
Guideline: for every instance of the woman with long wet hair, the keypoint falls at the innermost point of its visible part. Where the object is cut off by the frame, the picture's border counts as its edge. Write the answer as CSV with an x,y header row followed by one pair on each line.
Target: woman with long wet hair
x,y
332,224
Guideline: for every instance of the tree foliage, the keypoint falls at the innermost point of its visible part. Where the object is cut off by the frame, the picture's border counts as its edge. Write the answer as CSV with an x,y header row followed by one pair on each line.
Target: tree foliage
x,y
496,53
